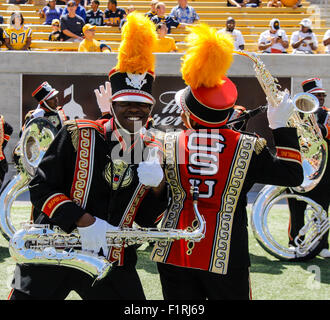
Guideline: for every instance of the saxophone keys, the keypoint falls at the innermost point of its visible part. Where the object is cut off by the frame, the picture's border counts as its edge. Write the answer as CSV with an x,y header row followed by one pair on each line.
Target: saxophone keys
x,y
49,253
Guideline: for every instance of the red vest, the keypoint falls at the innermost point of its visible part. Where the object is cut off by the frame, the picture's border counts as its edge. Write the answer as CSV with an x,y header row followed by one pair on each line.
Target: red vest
x,y
218,160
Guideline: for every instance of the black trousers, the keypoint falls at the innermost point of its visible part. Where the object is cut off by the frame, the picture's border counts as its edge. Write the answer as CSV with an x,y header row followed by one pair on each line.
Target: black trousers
x,y
180,283
297,210
121,283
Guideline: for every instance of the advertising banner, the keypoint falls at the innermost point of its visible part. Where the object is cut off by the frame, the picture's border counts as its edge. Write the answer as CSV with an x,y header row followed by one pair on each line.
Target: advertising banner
x,y
76,96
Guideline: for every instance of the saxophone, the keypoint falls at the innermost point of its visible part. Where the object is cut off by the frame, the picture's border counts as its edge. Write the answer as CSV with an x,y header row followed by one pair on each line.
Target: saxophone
x,y
314,158
39,244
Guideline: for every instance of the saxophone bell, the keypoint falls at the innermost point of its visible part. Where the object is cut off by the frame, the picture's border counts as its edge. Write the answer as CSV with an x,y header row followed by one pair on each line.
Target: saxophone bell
x,y
305,102
39,244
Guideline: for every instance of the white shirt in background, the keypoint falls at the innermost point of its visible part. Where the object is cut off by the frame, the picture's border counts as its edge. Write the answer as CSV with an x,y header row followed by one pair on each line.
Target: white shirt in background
x,y
327,36
237,36
306,44
266,36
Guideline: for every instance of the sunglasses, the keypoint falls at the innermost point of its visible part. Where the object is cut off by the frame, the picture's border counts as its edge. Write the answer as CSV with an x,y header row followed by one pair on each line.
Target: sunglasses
x,y
71,5
55,25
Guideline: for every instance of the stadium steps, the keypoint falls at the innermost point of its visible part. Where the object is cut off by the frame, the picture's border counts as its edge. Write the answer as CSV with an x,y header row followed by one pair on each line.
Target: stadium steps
x,y
251,21
200,9
28,15
249,38
247,30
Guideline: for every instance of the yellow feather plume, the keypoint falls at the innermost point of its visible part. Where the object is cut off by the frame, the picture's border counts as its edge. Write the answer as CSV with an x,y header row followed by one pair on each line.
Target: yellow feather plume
x,y
208,57
138,40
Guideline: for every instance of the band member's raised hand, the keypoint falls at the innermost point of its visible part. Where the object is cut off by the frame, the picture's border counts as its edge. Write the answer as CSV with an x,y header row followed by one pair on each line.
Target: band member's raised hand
x,y
150,172
278,116
93,237
103,97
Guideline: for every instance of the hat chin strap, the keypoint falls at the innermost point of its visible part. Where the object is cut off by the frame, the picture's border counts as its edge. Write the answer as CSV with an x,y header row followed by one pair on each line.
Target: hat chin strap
x,y
121,127
47,106
188,120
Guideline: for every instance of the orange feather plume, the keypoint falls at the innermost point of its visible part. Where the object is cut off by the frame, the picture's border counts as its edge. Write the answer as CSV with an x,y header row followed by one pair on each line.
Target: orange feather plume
x,y
208,57
136,49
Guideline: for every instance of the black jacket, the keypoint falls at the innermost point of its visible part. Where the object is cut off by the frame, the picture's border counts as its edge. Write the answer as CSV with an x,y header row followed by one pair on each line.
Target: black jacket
x,y
106,200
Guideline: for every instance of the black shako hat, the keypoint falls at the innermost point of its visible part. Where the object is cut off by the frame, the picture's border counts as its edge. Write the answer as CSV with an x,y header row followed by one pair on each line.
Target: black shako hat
x,y
313,85
44,92
133,87
132,78
208,106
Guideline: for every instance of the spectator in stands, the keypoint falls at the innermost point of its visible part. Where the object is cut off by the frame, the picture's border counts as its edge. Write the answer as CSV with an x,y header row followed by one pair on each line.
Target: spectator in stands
x,y
326,41
169,21
50,12
17,1
297,5
236,3
56,34
113,14
2,38
236,34
274,3
85,3
253,3
17,36
80,10
95,16
72,24
150,14
273,40
184,13
164,43
304,40
89,44
130,9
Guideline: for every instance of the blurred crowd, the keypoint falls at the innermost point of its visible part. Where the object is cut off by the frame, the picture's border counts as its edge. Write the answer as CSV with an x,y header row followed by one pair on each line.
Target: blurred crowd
x,y
71,21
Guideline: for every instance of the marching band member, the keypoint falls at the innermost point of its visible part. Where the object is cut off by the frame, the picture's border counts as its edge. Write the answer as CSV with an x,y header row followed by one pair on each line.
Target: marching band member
x,y
47,98
224,164
93,177
6,131
321,193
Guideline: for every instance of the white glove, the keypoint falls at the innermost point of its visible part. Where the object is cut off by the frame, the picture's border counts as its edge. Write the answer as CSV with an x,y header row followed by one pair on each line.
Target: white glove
x,y
150,172
279,116
93,237
103,97
38,113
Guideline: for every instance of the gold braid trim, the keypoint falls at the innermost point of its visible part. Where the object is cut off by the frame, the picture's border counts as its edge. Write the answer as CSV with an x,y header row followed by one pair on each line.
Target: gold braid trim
x,y
74,131
260,145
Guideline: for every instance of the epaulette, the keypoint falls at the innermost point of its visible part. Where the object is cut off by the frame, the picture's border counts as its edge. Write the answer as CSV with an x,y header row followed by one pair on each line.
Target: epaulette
x,y
61,114
260,144
28,115
73,126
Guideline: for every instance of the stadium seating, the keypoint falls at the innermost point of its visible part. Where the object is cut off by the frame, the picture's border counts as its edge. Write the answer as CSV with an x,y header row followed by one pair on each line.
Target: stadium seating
x,y
251,21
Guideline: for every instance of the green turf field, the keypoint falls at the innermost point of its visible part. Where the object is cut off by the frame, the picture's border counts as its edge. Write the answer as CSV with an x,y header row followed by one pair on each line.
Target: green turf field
x,y
271,279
